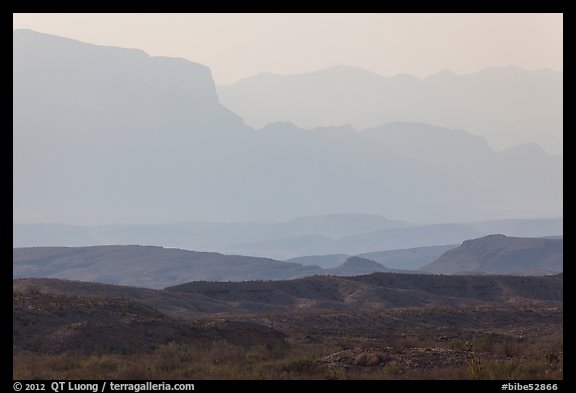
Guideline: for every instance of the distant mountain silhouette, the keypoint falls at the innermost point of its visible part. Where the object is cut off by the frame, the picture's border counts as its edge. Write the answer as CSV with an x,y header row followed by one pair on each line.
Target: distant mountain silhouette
x,y
408,258
199,235
387,239
396,244
338,225
151,267
355,266
109,135
506,105
499,254
535,227
402,259
324,261
156,267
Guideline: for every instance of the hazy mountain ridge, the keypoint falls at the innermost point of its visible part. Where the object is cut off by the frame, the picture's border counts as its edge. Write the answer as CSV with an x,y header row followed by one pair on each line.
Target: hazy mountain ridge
x,y
397,238
328,225
386,239
156,267
147,266
355,266
524,105
294,238
144,136
408,258
499,254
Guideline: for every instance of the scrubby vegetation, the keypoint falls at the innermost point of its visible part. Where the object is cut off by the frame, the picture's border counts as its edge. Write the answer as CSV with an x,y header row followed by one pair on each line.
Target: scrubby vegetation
x,y
484,357
57,336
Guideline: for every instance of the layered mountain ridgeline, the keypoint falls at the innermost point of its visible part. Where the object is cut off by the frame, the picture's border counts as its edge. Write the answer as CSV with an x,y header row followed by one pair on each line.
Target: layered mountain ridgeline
x,y
517,105
499,254
147,266
136,136
216,236
409,258
323,261
319,293
380,290
344,234
385,239
157,267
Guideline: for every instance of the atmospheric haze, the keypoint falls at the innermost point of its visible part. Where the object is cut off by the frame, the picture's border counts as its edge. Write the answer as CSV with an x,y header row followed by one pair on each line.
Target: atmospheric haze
x,y
106,135
237,46
287,196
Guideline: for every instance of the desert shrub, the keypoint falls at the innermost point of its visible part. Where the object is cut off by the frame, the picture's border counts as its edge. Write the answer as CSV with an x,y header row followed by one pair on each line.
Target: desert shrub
x,y
553,358
33,290
483,343
102,365
260,353
224,352
392,369
497,369
508,348
299,366
459,344
335,374
475,368
170,356
369,359
502,369
406,342
135,370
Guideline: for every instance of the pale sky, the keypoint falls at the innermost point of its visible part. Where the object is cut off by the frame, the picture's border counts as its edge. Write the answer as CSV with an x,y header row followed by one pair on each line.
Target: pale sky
x,y
236,46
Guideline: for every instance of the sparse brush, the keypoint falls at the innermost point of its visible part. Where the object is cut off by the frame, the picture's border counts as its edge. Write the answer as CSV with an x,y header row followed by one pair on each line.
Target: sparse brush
x,y
392,369
553,358
370,359
475,368
398,349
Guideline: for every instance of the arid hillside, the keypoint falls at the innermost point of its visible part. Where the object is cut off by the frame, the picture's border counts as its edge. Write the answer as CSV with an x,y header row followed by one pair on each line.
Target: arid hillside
x,y
49,323
320,293
450,327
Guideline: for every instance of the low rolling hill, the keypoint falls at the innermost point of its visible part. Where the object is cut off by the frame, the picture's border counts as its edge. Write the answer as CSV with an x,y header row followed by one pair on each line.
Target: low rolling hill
x,y
56,323
316,294
379,290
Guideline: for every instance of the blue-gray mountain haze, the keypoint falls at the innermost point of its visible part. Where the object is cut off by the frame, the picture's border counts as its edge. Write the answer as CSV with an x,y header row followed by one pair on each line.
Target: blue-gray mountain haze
x,y
105,135
506,105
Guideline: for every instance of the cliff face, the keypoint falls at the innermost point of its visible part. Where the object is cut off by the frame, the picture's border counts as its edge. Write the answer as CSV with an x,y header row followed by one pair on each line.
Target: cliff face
x,y
66,80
